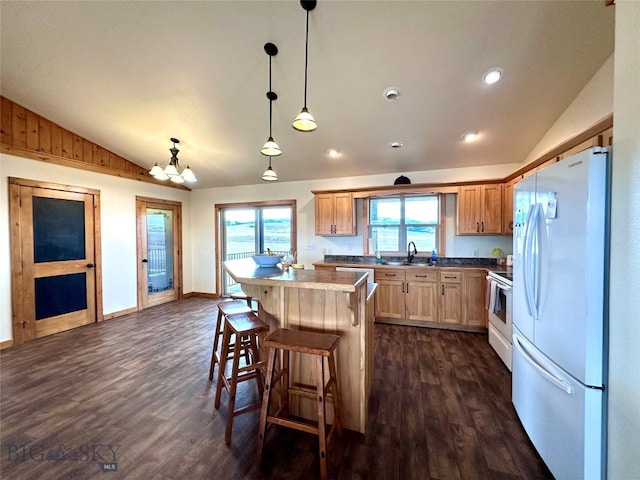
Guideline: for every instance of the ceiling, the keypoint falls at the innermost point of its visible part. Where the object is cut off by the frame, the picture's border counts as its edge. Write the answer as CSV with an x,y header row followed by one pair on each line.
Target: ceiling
x,y
130,75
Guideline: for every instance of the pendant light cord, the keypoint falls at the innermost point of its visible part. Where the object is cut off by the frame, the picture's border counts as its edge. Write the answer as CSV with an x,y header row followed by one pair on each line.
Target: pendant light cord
x,y
306,59
270,101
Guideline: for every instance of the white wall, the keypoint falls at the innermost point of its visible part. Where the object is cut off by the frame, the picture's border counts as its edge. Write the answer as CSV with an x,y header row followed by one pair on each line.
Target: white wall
x,y
203,228
592,104
624,321
118,227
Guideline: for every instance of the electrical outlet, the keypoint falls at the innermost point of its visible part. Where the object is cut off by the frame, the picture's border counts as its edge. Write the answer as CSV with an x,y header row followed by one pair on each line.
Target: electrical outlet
x,y
349,246
311,246
324,251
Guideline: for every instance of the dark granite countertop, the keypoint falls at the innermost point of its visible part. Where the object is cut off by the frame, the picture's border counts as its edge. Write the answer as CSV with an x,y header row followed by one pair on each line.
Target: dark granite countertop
x,y
443,262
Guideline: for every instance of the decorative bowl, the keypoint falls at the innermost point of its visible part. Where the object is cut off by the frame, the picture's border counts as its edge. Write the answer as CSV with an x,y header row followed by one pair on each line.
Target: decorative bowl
x,y
267,260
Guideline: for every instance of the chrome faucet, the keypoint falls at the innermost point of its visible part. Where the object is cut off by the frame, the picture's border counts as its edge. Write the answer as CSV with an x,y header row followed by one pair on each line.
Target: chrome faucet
x,y
409,254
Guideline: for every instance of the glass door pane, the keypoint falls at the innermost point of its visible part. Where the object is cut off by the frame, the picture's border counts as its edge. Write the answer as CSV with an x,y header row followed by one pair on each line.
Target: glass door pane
x,y
159,250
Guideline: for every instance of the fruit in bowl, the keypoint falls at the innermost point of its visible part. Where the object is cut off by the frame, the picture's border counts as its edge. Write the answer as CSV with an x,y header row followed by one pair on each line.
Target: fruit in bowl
x,y
265,260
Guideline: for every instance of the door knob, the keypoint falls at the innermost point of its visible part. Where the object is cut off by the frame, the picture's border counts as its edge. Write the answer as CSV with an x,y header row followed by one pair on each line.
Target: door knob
x,y
90,265
144,260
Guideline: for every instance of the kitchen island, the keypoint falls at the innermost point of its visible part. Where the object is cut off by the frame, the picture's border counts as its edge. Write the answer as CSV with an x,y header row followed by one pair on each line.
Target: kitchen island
x,y
340,303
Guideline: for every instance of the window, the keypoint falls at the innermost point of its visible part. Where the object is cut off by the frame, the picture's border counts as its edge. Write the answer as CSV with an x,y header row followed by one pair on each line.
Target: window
x,y
253,227
394,221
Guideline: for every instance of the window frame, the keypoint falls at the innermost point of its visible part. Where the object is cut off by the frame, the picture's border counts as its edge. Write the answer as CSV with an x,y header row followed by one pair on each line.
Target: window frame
x,y
440,225
219,229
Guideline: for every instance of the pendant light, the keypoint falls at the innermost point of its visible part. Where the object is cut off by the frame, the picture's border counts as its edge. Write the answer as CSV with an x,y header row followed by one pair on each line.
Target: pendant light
x,y
305,122
172,171
269,175
271,148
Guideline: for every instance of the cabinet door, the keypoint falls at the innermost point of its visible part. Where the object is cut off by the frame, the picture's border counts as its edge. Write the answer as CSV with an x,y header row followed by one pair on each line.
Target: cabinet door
x,y
507,208
474,291
491,217
422,301
450,304
390,299
344,215
325,213
450,308
468,210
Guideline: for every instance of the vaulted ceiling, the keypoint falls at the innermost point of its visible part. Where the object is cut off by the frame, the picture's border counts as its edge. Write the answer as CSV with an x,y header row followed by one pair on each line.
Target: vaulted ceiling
x,y
130,75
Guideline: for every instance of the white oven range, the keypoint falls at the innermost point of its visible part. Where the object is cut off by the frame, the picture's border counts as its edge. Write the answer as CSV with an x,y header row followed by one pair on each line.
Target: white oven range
x,y
500,314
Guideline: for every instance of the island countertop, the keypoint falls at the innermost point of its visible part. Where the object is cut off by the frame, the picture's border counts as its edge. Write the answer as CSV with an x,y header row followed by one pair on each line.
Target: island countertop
x,y
247,272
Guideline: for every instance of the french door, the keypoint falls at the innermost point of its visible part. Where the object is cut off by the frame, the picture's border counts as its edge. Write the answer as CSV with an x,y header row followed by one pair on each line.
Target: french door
x,y
55,260
159,239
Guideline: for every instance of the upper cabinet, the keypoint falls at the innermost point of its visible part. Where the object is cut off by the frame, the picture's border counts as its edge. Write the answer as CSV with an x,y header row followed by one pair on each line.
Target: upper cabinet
x,y
335,214
507,206
480,209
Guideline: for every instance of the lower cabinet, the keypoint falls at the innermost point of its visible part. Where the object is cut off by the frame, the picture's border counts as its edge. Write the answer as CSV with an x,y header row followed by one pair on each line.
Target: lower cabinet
x,y
450,302
442,297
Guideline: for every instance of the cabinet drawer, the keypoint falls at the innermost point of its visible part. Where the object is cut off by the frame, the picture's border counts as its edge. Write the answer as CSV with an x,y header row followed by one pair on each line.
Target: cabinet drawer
x,y
389,274
450,277
422,276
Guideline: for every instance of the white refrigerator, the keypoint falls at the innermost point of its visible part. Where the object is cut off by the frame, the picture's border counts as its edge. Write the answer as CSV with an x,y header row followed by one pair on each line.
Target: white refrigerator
x,y
560,312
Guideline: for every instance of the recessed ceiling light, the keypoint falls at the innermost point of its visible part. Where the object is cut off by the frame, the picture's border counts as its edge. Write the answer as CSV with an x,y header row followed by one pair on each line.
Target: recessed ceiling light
x,y
470,136
333,153
396,144
492,76
391,93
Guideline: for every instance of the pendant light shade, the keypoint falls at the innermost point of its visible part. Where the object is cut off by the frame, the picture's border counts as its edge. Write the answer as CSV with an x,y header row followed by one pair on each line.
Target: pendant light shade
x,y
270,148
172,171
304,121
269,175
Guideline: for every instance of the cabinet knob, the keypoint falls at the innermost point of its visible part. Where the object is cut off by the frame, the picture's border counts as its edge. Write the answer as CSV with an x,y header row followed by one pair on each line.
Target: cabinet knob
x,y
477,226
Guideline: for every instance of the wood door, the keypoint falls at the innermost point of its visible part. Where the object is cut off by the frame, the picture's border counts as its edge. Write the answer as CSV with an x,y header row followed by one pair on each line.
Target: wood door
x,y
159,242
325,214
491,221
344,221
55,258
450,308
422,301
468,210
507,208
474,292
390,299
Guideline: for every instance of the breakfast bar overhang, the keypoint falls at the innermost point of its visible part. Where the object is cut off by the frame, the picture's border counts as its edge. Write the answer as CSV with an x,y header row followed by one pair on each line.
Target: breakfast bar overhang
x,y
341,303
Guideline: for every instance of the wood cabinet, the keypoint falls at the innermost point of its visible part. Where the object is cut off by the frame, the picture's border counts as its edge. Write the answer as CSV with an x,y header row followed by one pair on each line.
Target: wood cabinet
x,y
390,300
421,295
409,295
450,302
479,209
474,290
507,207
335,214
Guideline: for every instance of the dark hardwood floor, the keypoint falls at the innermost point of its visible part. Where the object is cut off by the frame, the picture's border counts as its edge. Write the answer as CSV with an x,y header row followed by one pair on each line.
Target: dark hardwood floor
x,y
133,394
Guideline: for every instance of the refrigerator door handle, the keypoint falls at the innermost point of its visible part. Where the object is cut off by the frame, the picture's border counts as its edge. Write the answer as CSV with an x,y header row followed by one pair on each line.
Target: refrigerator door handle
x,y
526,261
536,240
550,377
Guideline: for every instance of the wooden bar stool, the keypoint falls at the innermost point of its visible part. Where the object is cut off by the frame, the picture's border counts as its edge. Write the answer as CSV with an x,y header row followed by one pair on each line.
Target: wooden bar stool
x,y
225,309
321,345
249,332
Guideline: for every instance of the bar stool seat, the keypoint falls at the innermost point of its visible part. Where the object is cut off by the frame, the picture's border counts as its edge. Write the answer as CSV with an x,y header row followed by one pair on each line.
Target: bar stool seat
x,y
249,332
322,346
225,309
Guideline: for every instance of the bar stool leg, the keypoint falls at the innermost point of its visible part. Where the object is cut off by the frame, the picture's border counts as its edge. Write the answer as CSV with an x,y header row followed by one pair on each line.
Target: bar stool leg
x,y
216,339
322,439
335,391
266,398
232,391
221,367
284,385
